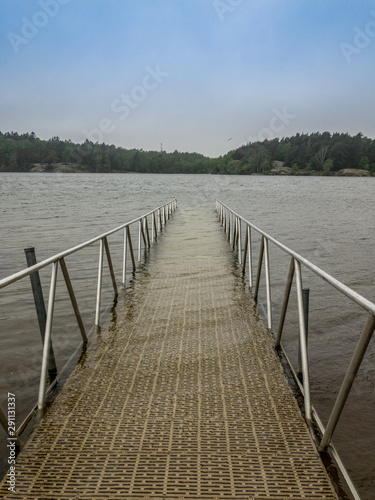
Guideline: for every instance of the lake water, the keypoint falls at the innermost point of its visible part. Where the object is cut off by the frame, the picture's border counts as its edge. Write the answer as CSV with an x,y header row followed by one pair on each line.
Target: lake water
x,y
330,221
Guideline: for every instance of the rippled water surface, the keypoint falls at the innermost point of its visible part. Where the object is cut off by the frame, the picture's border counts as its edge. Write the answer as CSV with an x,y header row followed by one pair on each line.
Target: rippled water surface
x,y
330,221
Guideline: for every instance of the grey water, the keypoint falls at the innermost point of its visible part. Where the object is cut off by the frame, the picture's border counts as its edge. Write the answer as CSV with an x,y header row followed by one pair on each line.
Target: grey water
x,y
328,220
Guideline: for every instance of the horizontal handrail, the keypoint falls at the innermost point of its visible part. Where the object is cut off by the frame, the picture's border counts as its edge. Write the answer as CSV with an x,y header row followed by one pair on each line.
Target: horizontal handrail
x,y
50,260
356,297
161,214
231,222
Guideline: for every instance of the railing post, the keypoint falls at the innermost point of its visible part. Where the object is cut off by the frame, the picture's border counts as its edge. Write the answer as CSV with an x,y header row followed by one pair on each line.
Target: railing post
x,y
147,232
259,271
99,288
235,232
139,240
305,298
285,304
268,284
47,338
73,299
303,343
245,252
231,225
155,227
131,247
239,243
124,256
110,265
250,257
351,373
40,308
143,224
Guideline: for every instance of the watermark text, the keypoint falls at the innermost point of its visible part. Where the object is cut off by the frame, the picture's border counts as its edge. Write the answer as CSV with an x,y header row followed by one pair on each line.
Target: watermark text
x,y
12,443
222,7
31,26
125,103
361,40
277,124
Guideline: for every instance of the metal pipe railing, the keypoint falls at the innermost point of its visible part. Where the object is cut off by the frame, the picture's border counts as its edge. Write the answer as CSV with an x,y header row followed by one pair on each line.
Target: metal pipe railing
x,y
354,296
230,221
40,307
47,337
73,299
58,260
303,342
25,272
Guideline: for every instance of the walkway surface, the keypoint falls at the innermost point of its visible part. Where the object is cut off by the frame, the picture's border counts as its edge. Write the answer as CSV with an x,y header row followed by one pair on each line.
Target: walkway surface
x,y
184,398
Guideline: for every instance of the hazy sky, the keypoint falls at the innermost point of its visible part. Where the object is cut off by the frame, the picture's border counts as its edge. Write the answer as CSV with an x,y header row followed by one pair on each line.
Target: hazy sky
x,y
195,75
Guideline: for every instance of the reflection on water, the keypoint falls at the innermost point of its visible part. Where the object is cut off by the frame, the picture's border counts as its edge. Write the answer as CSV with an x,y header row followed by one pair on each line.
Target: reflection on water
x,y
328,220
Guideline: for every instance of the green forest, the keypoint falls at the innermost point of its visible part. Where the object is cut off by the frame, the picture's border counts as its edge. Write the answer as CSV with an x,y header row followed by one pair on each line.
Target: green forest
x,y
301,154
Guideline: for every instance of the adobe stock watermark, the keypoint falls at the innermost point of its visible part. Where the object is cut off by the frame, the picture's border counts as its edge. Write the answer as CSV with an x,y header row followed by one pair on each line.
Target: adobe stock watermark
x,y
277,124
30,27
125,103
224,6
361,40
12,442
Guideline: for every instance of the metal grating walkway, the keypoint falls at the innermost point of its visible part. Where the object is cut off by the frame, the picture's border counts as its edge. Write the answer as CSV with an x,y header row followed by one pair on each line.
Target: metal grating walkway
x,y
184,398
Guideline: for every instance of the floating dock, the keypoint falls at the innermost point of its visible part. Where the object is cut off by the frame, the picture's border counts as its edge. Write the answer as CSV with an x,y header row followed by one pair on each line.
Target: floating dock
x,y
183,397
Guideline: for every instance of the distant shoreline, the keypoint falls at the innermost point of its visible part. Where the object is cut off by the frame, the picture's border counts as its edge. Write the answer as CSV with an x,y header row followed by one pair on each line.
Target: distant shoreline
x,y
316,154
71,168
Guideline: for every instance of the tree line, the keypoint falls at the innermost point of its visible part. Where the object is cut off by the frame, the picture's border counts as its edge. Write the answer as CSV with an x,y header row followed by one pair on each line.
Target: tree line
x,y
307,154
19,152
303,154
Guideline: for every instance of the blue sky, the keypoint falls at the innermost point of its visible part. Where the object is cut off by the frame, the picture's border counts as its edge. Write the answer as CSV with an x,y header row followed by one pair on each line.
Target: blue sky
x,y
195,75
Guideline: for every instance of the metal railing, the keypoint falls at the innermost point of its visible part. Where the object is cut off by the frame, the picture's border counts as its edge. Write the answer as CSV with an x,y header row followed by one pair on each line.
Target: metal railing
x,y
232,224
158,218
